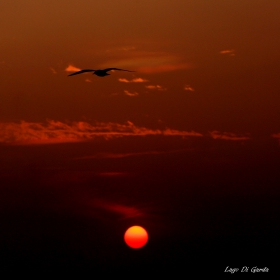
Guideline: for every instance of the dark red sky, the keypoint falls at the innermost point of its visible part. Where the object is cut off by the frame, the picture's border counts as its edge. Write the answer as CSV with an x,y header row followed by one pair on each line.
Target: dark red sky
x,y
204,66
186,146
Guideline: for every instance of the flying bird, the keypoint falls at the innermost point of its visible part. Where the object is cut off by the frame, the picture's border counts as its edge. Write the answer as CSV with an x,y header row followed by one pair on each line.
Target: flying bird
x,y
100,73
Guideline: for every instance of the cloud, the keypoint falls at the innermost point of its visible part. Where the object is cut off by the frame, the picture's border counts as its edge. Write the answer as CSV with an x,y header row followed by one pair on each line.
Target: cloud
x,y
72,68
228,136
111,174
53,70
136,80
157,87
130,93
31,133
188,88
228,52
276,135
124,155
127,48
123,80
28,133
164,68
149,62
122,49
122,210
175,132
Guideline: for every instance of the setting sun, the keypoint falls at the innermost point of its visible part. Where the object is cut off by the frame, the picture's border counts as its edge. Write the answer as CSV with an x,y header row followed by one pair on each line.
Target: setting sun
x,y
136,237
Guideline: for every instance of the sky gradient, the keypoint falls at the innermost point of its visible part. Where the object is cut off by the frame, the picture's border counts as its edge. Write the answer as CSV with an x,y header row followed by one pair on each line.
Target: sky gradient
x,y
199,65
194,130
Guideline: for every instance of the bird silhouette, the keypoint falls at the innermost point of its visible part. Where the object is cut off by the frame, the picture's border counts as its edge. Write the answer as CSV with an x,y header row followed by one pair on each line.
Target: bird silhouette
x,y
100,72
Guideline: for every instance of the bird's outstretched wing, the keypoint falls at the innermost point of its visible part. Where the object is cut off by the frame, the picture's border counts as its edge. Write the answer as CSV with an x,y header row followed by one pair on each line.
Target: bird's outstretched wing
x,y
82,71
109,69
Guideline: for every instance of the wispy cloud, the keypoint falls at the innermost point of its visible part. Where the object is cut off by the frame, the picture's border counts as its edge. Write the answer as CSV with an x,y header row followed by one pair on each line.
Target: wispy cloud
x,y
228,136
110,174
124,155
175,132
31,133
122,210
122,49
58,132
53,70
157,87
149,62
122,80
128,93
136,80
165,67
188,88
72,68
276,135
228,52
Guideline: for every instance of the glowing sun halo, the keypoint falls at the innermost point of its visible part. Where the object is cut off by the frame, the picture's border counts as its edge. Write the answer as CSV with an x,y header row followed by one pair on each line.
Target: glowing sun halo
x,y
136,237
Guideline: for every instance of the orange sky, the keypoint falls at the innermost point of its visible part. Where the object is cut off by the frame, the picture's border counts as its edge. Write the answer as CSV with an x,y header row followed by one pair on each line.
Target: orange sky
x,y
187,146
200,65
